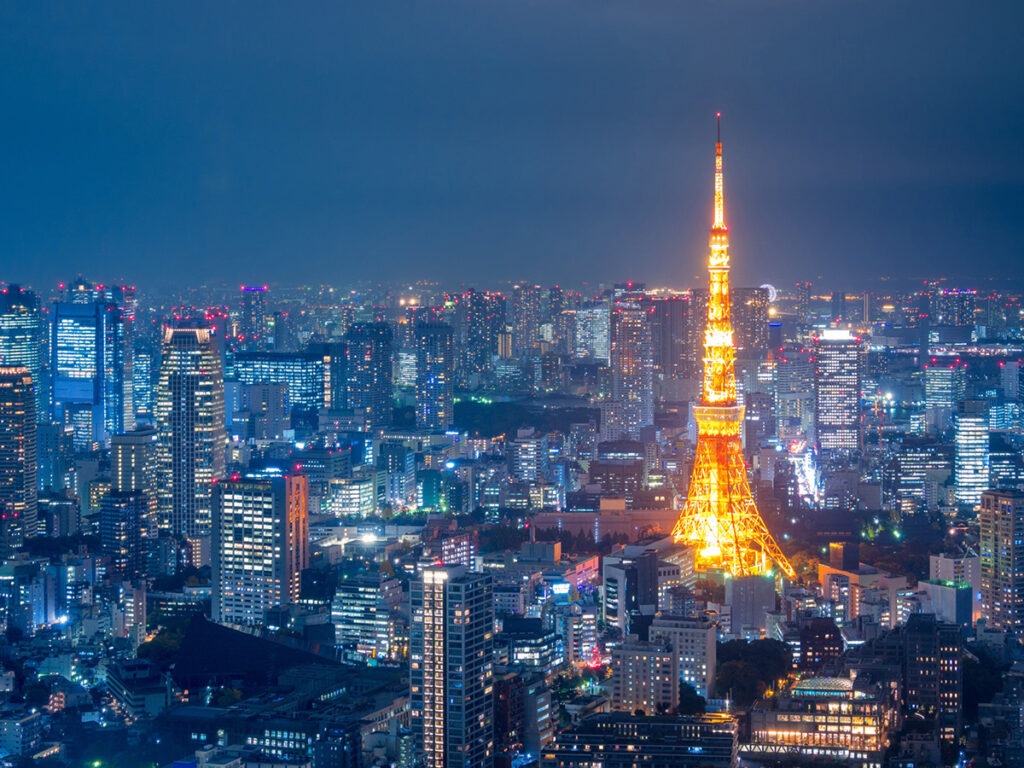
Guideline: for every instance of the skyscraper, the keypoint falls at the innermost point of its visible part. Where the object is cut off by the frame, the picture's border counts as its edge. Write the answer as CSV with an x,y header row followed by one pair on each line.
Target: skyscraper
x,y
483,318
18,489
720,519
21,339
303,372
435,371
668,333
525,317
944,385
971,461
837,373
1001,548
252,326
134,470
451,674
260,544
190,428
632,366
92,389
750,322
370,389
593,332
125,531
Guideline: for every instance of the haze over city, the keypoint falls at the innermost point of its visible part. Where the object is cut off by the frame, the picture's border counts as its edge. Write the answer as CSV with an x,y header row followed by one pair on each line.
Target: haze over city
x,y
484,142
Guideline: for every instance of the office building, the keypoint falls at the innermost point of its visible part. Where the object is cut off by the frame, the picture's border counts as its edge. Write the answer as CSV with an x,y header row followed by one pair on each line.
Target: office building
x,y
933,673
19,490
91,372
22,339
837,420
252,325
435,371
971,471
483,318
750,322
260,544
621,740
1001,551
693,638
944,385
794,393
632,367
142,385
127,527
593,333
645,677
669,319
362,612
191,435
369,384
451,669
525,318
302,372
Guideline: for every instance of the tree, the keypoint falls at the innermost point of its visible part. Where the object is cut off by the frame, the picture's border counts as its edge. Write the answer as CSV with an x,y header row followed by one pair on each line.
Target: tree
x,y
690,702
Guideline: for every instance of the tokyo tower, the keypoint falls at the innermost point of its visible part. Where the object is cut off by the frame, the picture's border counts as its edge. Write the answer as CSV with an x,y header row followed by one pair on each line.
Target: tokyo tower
x,y
720,519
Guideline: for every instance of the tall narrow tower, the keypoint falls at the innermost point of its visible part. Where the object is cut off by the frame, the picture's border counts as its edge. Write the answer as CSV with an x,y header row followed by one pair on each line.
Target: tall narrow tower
x,y
720,518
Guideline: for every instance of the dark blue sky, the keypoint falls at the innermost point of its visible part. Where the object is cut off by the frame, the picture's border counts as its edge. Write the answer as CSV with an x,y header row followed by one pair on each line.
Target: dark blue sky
x,y
488,140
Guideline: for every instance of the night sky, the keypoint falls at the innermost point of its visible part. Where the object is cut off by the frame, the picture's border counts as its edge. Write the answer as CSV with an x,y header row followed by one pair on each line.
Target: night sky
x,y
489,140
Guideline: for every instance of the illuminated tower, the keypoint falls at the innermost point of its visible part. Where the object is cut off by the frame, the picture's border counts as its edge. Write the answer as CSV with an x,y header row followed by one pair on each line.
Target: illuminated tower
x,y
720,518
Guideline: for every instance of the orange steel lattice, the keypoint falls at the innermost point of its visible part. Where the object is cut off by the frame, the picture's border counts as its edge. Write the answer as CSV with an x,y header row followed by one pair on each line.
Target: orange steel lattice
x,y
720,518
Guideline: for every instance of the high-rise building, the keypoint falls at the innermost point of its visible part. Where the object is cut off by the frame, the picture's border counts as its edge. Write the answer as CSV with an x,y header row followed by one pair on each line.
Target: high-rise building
x,y
252,326
668,331
435,373
750,322
525,318
260,544
839,306
483,318
971,467
917,461
134,469
362,612
803,300
720,518
794,393
593,332
369,384
92,387
191,433
1001,550
933,670
944,385
954,306
837,421
632,366
693,638
142,385
18,486
22,333
645,676
303,372
451,673
126,528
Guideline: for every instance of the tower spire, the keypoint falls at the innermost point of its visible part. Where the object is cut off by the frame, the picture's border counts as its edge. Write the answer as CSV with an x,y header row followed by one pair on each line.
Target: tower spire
x,y
720,519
